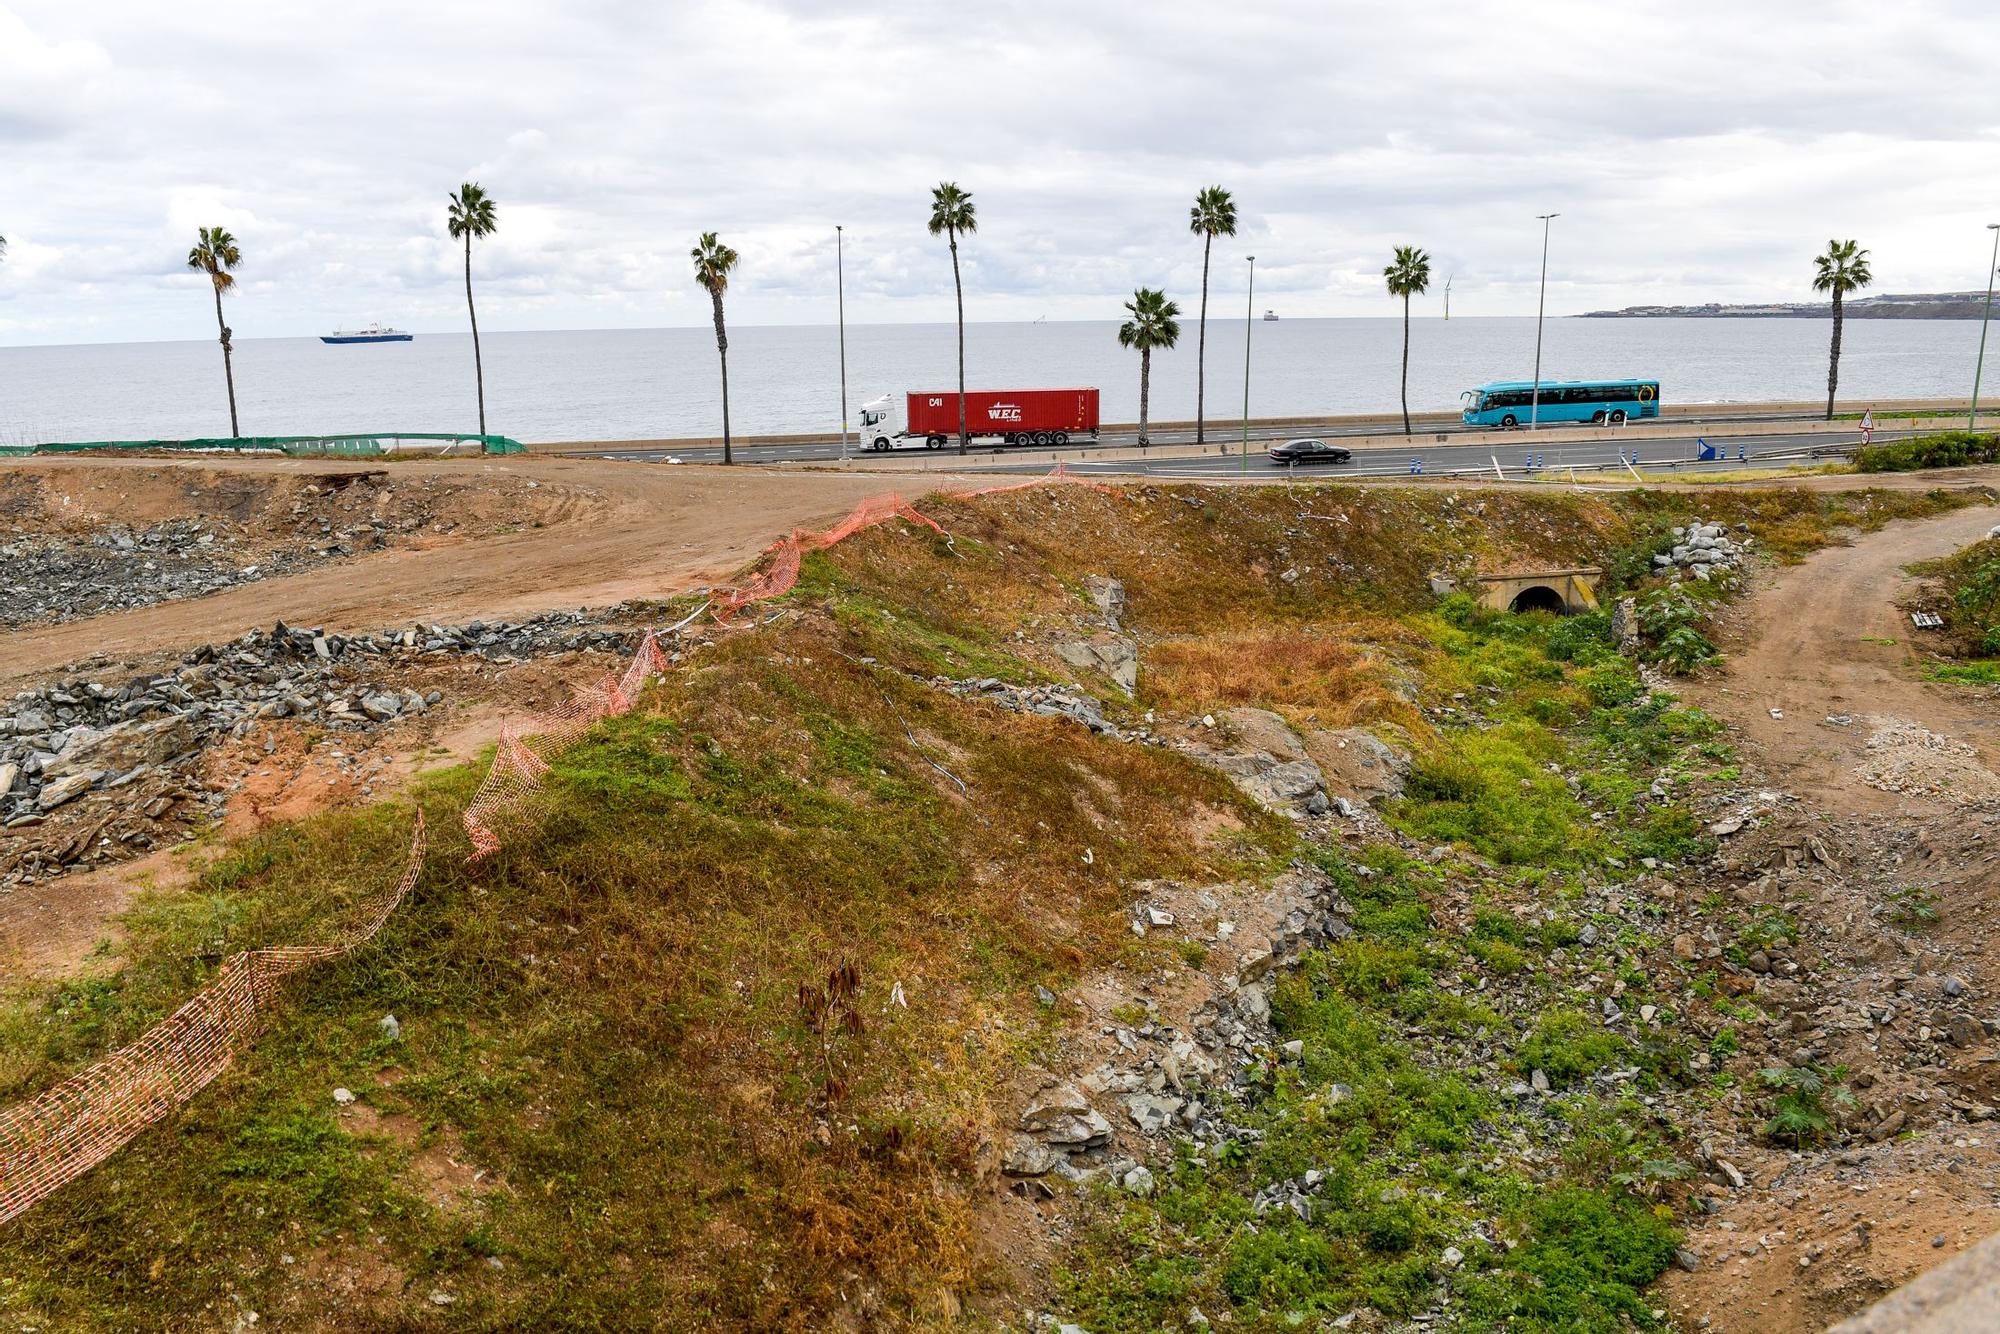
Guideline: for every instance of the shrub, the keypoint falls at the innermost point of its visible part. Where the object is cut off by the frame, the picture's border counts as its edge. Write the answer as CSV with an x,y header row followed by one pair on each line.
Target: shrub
x,y
1280,1266
1567,1045
1948,449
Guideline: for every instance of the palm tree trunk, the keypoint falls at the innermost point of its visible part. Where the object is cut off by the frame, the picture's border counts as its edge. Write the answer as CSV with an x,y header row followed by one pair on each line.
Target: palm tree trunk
x,y
959,287
1201,347
722,350
228,373
478,367
1833,361
1406,363
1145,388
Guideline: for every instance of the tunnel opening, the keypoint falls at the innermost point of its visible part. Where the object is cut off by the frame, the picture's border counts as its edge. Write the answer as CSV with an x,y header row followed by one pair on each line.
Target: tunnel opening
x,y
1538,598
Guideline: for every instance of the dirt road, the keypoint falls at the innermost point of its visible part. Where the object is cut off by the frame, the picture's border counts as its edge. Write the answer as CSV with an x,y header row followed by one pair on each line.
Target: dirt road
x,y
1820,1235
1826,639
604,533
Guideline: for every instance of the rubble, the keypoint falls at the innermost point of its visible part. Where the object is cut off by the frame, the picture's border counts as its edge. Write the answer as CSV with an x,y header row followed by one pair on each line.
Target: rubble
x,y
127,746
1703,550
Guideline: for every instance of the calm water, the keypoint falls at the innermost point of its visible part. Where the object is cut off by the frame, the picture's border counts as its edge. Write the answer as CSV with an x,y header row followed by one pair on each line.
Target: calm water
x,y
662,383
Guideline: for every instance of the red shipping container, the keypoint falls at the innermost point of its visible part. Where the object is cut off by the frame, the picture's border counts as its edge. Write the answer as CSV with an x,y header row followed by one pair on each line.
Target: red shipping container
x,y
1004,412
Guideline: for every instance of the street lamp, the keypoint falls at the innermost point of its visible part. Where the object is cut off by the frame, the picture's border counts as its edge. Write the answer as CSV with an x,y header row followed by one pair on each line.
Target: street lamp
x,y
1972,417
840,290
1535,401
1249,323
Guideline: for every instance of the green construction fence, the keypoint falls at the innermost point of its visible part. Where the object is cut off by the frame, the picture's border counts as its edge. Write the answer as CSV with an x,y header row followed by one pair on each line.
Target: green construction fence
x,y
362,444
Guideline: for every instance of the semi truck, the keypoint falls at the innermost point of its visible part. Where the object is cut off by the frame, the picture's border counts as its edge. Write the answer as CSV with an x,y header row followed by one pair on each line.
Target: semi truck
x,y
1016,416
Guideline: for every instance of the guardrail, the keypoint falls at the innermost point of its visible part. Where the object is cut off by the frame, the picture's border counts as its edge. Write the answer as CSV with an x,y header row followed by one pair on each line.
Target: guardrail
x,y
356,444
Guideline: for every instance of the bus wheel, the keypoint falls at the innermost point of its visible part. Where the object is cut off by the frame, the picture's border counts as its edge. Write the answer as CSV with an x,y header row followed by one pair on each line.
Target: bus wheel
x,y
1059,438
1509,421
1618,417
1597,418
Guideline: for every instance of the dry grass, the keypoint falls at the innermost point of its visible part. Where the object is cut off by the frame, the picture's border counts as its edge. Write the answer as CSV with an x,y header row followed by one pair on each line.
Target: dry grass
x,y
1313,679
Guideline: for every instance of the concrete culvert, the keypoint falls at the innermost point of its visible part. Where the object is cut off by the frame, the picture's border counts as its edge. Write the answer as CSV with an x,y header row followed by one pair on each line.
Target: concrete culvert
x,y
1538,598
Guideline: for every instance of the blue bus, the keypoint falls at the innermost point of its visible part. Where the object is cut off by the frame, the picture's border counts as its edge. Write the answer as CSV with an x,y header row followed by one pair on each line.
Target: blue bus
x,y
1599,402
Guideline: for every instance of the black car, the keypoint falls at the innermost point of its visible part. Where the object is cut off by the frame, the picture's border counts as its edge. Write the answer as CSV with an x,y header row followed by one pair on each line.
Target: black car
x,y
1309,451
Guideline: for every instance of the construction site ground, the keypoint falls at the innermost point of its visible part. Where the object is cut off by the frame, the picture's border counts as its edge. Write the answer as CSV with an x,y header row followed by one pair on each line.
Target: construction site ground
x,y
1821,693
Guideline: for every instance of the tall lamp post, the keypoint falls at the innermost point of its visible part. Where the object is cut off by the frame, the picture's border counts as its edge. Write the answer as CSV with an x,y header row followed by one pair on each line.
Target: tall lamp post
x,y
1535,402
1979,367
1249,323
840,290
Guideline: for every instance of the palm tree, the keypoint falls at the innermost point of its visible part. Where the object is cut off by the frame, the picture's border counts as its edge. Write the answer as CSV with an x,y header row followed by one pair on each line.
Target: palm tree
x,y
472,214
1213,215
1408,276
215,254
1843,268
952,215
712,263
1154,323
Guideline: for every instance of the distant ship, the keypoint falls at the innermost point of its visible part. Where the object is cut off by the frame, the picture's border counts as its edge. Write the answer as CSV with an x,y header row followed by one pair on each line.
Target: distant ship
x,y
374,333
1270,314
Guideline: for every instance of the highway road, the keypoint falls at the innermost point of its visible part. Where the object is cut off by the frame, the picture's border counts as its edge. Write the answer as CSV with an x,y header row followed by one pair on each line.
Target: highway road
x,y
1261,438
1423,453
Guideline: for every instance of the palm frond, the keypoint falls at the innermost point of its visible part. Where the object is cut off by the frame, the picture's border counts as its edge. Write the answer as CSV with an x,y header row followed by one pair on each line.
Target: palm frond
x,y
713,262
1410,273
952,211
1213,214
1154,321
471,212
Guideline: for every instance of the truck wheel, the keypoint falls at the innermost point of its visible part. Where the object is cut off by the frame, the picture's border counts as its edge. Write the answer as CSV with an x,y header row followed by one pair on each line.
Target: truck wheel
x,y
1059,438
933,442
881,444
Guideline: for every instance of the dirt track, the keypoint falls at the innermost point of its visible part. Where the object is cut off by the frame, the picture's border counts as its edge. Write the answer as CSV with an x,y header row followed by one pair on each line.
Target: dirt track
x,y
1827,639
609,532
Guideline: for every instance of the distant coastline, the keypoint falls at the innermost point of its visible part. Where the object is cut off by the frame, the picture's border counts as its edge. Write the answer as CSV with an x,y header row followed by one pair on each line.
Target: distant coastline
x,y
1922,306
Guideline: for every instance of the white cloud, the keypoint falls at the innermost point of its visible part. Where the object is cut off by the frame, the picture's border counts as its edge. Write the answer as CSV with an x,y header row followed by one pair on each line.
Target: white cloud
x,y
1699,150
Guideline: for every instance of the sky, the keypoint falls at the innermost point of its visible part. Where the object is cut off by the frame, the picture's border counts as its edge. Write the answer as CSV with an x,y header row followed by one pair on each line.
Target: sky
x,y
1695,151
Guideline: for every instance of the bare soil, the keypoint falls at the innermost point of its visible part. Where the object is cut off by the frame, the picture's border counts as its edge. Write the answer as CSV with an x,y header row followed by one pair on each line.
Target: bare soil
x,y
589,532
1897,779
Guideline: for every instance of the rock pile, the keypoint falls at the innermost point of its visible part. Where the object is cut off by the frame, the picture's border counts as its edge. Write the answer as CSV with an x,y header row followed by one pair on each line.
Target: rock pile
x,y
1704,550
69,578
1174,1081
138,736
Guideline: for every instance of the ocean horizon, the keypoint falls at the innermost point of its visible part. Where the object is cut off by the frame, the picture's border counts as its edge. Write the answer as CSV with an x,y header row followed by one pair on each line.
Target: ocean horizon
x,y
626,384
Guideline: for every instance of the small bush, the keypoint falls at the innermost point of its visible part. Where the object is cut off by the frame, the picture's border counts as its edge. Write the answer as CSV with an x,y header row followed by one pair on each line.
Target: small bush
x,y
1567,1045
1948,449
1280,1266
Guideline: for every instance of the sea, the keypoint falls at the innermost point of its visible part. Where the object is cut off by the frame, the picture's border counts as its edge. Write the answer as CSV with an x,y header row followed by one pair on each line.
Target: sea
x,y
663,384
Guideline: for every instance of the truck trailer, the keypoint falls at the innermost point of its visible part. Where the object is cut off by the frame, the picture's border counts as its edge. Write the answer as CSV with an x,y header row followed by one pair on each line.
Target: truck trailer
x,y
1015,416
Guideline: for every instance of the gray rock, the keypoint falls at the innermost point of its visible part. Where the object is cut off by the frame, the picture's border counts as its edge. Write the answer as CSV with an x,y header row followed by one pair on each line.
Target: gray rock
x,y
1152,1112
67,789
381,707
391,1027
1138,1181
1028,1157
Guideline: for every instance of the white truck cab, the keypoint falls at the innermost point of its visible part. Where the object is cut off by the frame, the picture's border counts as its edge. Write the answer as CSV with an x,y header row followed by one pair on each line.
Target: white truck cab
x,y
881,422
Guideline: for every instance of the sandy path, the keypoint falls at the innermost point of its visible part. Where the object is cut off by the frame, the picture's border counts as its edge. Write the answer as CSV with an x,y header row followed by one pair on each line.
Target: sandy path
x,y
614,531
1826,638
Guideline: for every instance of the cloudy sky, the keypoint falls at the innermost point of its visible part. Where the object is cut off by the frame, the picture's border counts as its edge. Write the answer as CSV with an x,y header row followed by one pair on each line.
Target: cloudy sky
x,y
1696,151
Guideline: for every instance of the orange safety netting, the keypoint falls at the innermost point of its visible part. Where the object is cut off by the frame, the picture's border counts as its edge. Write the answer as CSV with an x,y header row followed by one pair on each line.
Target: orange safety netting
x,y
55,1138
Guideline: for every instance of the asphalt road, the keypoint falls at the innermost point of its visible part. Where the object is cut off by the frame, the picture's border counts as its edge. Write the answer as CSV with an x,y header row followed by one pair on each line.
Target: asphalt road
x,y
1657,454
1261,438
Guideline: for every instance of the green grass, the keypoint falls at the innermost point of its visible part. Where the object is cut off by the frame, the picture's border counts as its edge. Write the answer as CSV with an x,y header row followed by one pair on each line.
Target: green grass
x,y
603,1019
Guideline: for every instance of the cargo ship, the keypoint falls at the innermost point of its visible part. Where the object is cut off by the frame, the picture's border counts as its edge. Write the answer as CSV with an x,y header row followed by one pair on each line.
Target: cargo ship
x,y
374,333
